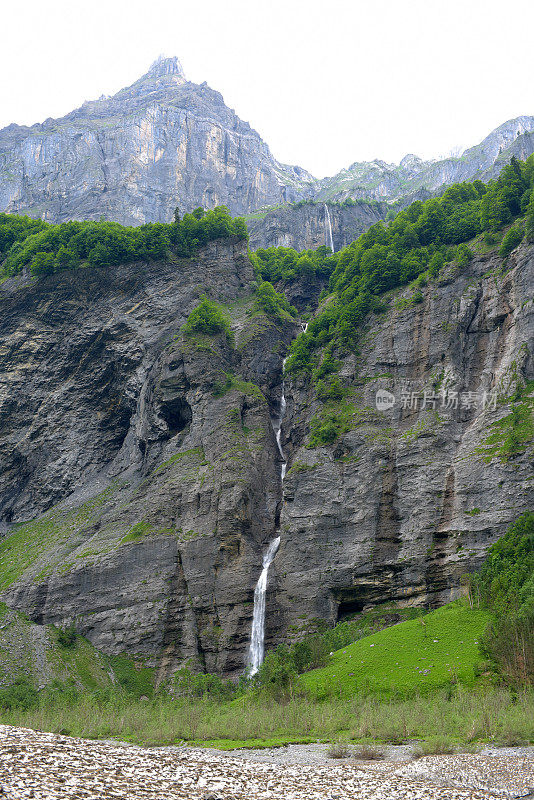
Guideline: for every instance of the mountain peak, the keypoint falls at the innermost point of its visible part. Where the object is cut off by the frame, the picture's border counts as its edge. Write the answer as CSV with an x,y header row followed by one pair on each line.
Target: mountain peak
x,y
164,66
409,161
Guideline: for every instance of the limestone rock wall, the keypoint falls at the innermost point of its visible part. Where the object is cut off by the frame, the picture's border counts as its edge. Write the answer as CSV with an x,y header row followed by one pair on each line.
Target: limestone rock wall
x,y
161,143
409,499
304,227
140,477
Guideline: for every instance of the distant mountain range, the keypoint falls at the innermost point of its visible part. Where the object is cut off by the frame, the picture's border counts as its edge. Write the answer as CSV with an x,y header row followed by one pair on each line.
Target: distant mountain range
x,y
165,142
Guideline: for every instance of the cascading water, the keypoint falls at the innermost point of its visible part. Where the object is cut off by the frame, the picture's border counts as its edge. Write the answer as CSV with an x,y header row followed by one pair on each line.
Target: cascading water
x,y
278,426
258,620
329,239
257,639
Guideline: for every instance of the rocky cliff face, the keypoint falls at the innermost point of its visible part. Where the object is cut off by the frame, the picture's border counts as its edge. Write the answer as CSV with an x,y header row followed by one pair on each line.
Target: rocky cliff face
x,y
162,142
147,461
305,226
410,498
141,477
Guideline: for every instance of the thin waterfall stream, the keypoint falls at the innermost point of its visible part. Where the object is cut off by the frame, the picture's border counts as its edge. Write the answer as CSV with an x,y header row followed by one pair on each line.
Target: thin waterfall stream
x,y
329,238
257,639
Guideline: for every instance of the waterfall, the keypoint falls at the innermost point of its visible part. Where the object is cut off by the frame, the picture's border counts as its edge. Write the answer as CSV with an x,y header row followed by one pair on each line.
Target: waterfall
x,y
257,639
278,426
258,620
329,239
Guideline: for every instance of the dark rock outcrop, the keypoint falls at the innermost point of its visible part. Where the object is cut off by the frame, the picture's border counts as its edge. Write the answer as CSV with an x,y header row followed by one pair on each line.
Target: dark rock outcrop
x,y
148,459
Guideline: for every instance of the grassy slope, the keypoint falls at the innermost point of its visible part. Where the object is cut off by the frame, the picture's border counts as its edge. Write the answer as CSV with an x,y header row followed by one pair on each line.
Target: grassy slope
x,y
33,652
476,712
417,655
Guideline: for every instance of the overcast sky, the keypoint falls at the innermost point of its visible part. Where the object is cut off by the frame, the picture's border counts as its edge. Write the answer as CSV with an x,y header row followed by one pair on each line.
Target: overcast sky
x,y
324,83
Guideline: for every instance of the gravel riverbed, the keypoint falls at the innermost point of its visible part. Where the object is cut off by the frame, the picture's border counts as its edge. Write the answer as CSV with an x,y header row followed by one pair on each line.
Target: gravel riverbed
x,y
50,767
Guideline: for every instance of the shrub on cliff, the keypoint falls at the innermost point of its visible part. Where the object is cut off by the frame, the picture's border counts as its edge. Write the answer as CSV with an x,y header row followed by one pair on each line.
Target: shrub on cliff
x,y
510,241
66,637
208,319
272,302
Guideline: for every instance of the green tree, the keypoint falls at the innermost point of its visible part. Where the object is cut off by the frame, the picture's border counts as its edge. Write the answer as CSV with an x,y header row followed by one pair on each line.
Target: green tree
x,y
100,255
207,318
463,255
240,228
43,263
66,259
271,302
510,241
505,585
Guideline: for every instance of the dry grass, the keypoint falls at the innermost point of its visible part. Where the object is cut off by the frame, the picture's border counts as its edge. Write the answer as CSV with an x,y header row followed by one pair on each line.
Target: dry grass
x,y
339,750
366,752
467,716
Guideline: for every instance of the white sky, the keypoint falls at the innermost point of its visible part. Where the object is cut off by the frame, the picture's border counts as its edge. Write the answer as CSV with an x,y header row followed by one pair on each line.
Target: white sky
x,y
324,83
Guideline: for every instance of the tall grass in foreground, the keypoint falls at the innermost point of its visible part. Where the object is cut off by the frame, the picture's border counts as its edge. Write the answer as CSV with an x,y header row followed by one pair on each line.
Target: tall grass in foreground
x,y
466,716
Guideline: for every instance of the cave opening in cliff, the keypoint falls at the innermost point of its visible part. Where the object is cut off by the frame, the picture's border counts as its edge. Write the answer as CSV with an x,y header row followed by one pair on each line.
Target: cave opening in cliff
x,y
177,414
347,608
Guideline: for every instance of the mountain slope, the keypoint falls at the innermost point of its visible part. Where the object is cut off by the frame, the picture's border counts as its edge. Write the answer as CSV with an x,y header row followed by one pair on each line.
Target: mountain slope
x,y
160,143
165,142
414,178
415,656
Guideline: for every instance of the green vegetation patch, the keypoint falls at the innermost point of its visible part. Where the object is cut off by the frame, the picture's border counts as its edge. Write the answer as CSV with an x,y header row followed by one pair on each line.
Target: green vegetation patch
x,y
408,302
29,541
419,655
273,303
142,529
514,433
195,454
49,248
132,675
209,319
335,418
40,655
232,382
505,587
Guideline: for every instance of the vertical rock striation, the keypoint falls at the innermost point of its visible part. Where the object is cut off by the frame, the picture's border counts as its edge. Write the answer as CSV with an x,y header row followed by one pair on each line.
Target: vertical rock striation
x,y
408,499
140,473
161,143
302,226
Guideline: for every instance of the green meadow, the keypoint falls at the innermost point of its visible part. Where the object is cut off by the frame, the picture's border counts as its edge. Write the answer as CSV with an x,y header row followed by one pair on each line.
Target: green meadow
x,y
417,656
